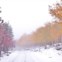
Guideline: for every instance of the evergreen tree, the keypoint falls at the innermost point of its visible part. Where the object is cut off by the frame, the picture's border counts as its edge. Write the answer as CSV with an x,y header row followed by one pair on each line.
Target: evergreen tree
x,y
6,37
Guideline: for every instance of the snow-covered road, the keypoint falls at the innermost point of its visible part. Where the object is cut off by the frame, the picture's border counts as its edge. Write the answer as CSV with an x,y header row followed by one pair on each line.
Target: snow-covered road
x,y
21,56
48,55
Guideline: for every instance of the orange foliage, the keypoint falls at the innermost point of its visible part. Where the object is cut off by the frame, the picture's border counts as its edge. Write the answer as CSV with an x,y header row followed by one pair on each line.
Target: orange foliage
x,y
57,11
44,35
48,34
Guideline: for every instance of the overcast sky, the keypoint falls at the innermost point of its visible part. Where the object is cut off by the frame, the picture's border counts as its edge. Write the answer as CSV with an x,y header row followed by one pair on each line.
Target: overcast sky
x,y
25,16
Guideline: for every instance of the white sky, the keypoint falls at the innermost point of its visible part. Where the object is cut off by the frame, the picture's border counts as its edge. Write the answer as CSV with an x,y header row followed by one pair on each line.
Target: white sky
x,y
25,16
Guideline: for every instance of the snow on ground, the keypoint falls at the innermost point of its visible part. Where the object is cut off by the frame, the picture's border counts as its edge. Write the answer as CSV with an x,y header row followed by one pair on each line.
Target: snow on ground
x,y
45,55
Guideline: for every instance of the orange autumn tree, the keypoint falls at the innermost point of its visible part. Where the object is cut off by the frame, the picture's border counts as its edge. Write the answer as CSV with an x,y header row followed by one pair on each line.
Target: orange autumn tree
x,y
50,34
56,11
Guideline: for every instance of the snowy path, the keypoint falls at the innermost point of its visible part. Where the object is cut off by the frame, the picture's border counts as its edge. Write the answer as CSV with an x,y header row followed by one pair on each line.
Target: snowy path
x,y
49,55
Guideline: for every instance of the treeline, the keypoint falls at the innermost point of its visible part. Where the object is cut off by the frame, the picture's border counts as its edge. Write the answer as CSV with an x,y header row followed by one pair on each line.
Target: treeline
x,y
50,34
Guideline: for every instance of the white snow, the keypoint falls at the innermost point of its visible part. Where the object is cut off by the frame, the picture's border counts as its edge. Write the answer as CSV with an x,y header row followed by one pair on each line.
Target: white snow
x,y
45,55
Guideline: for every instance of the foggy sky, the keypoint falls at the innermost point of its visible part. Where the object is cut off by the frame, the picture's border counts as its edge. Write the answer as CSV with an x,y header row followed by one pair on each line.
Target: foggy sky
x,y
25,16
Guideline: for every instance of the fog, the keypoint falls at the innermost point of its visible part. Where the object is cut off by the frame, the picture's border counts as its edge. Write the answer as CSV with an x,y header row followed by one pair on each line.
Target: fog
x,y
25,16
